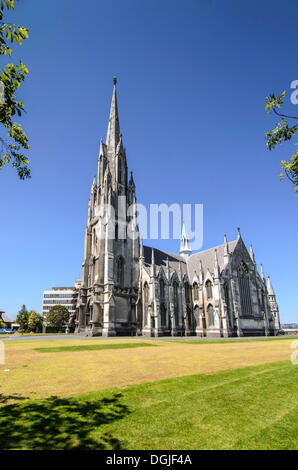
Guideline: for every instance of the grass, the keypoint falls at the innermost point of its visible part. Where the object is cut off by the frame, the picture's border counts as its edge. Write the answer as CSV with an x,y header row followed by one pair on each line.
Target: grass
x,y
247,408
224,340
94,347
33,374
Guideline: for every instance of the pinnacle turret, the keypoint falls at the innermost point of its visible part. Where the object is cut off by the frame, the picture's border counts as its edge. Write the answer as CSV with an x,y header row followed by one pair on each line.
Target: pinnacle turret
x,y
185,249
269,287
252,255
226,250
262,274
216,265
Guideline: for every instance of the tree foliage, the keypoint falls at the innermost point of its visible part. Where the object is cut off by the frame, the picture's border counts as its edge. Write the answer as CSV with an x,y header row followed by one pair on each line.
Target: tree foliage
x,y
11,78
2,324
22,318
57,316
282,132
35,321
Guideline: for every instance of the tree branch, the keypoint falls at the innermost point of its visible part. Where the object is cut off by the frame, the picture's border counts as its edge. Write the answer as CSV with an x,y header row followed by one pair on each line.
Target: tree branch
x,y
284,115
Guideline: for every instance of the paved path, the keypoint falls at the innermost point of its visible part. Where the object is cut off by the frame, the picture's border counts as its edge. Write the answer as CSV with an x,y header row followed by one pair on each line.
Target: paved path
x,y
72,336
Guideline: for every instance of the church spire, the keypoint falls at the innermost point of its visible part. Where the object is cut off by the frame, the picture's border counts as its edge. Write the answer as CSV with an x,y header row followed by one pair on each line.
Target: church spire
x,y
185,249
113,134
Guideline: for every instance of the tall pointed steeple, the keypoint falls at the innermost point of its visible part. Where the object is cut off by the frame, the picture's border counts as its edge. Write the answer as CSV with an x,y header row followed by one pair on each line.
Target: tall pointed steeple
x,y
185,249
113,134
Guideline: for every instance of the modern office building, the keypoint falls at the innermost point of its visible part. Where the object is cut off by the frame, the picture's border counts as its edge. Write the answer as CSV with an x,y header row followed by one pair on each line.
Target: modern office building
x,y
66,296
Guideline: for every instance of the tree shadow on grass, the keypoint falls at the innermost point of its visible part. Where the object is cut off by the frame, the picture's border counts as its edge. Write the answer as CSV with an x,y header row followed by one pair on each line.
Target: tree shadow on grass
x,y
61,423
6,398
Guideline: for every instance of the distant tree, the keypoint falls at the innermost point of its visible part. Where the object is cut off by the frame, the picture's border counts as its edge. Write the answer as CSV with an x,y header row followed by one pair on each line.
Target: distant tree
x,y
2,324
35,321
282,133
22,318
57,316
11,78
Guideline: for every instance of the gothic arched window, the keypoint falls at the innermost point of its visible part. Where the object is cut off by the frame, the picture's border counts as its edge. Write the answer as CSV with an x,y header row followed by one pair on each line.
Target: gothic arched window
x,y
244,288
263,299
175,291
227,298
162,289
120,271
163,314
187,292
210,314
146,293
208,286
195,291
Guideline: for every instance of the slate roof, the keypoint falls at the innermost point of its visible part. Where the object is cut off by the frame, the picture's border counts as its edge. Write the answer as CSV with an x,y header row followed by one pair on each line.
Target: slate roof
x,y
160,258
193,262
207,257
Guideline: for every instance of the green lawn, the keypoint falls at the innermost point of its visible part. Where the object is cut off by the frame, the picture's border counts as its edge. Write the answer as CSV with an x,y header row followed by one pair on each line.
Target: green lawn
x,y
248,408
226,340
94,347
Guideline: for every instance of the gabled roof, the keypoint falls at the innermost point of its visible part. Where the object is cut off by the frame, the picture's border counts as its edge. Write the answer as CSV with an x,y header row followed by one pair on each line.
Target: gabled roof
x,y
207,258
160,258
192,263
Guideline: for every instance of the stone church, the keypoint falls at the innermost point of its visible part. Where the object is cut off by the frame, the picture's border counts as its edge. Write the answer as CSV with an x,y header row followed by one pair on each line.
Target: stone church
x,y
131,289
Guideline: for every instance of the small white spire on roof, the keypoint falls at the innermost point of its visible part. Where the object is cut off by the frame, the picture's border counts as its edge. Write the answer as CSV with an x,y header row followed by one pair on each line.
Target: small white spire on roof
x,y
185,249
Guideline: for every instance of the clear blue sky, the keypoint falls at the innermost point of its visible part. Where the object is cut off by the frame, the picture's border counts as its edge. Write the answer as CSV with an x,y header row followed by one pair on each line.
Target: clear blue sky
x,y
192,79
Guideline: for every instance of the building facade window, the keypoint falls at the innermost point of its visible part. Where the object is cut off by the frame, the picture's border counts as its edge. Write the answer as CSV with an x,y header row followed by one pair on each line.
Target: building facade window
x,y
195,291
120,271
175,291
146,293
163,312
187,292
162,289
208,286
210,315
244,289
